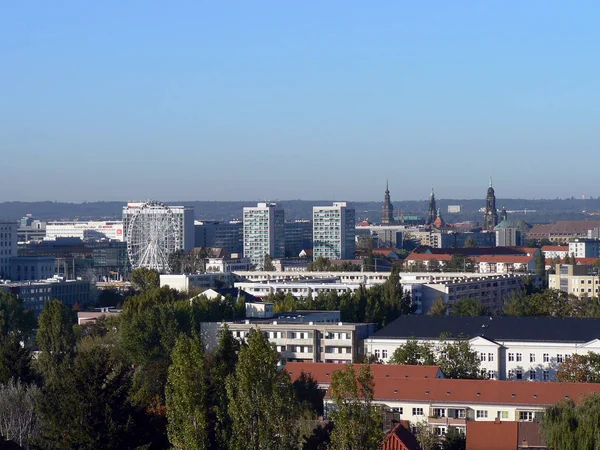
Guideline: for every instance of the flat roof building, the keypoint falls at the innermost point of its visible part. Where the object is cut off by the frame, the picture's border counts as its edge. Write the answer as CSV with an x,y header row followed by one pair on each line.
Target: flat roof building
x,y
264,233
334,233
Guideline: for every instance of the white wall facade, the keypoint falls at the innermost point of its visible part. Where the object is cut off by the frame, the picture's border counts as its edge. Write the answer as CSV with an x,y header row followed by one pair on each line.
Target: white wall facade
x,y
85,230
264,233
334,233
503,360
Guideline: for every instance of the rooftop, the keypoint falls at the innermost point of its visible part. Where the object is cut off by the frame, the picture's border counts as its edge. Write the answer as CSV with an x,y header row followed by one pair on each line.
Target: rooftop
x,y
536,329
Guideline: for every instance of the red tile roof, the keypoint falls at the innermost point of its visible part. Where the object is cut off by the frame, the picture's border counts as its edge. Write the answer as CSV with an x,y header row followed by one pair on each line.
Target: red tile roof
x,y
321,372
498,392
400,438
555,248
492,435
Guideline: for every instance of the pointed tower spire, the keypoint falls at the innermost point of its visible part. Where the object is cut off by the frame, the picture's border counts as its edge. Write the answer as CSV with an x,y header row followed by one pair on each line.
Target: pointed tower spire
x,y
490,180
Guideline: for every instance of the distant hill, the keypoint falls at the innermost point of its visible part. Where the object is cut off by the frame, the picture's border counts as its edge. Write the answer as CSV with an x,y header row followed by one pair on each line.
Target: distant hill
x,y
539,211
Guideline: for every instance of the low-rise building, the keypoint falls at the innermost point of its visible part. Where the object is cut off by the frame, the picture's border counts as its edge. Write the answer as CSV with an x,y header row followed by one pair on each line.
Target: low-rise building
x,y
509,348
227,265
555,251
314,336
24,268
578,280
91,230
584,248
36,294
190,281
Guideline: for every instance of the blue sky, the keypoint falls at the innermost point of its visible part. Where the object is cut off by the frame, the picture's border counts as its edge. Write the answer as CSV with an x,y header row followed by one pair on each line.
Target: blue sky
x,y
252,100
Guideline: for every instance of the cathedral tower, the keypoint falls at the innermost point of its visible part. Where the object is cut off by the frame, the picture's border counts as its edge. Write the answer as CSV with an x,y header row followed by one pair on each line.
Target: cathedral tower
x,y
387,211
432,213
490,218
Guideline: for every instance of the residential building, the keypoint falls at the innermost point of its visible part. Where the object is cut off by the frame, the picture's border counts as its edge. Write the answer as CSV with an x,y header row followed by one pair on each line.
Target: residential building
x,y
8,248
505,435
584,248
443,402
91,230
424,288
264,233
86,317
510,348
555,251
298,237
578,280
299,336
334,235
226,235
36,294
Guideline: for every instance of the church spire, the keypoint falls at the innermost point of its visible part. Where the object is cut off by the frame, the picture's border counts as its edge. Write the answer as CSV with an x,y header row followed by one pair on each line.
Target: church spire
x,y
490,180
432,212
387,210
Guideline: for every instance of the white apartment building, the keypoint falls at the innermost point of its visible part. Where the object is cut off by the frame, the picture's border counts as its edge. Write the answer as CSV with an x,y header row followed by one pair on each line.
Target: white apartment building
x,y
509,348
581,281
554,251
334,233
305,340
187,282
227,265
8,247
584,248
264,232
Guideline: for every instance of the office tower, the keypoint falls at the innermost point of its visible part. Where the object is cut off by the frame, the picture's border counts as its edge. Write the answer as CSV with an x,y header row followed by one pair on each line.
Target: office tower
x,y
8,247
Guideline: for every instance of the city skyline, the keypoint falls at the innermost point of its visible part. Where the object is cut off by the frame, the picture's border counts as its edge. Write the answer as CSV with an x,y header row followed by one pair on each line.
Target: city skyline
x,y
209,101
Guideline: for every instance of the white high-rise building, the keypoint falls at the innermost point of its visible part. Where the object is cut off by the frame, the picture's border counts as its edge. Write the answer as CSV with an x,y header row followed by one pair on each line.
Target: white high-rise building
x,y
334,231
92,230
8,247
264,233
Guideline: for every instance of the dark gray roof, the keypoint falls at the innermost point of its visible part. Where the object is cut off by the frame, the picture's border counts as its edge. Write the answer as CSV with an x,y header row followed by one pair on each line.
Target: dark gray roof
x,y
540,329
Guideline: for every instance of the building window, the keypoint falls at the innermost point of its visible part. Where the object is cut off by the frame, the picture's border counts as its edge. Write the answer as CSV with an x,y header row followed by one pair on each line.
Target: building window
x,y
417,411
511,356
532,357
502,415
559,358
490,357
519,357
482,357
526,416
439,412
377,354
546,357
491,375
384,354
546,375
532,374
519,374
482,414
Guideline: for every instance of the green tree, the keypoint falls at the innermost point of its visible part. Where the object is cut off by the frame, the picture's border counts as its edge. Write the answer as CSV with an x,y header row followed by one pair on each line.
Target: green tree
x,y
87,407
186,396
457,359
580,369
438,308
177,261
55,339
145,279
261,399
308,394
454,440
222,364
540,265
426,438
433,266
414,353
268,263
320,264
16,330
460,263
19,419
357,421
467,306
566,426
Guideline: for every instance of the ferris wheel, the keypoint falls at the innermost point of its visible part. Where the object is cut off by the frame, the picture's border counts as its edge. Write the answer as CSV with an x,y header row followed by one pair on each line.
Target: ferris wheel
x,y
152,236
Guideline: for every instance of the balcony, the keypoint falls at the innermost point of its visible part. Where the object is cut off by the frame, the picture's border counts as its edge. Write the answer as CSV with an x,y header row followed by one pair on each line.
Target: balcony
x,y
447,421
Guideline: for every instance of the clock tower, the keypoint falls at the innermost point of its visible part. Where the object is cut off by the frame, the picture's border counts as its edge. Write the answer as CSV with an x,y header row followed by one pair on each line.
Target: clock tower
x,y
490,218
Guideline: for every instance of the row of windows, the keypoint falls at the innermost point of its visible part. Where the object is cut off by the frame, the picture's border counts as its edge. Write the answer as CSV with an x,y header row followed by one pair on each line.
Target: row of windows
x,y
545,357
518,375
